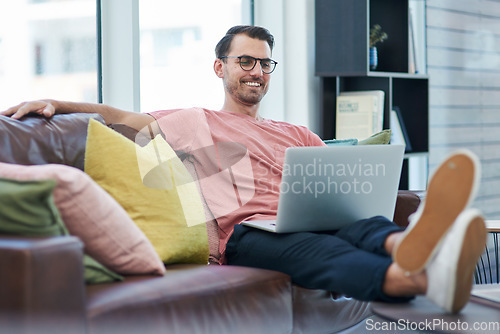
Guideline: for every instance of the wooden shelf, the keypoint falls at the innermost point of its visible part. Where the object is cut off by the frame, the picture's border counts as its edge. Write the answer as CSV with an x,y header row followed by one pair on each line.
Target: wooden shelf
x,y
342,63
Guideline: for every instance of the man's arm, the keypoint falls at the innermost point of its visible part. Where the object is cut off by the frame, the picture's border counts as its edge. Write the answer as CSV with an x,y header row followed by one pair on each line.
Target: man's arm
x,y
49,108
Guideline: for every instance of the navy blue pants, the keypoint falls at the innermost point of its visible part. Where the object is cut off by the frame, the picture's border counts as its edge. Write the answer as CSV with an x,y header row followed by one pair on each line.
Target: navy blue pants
x,y
350,261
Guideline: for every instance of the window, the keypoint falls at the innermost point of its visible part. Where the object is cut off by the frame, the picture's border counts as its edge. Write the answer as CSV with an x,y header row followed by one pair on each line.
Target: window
x,y
177,50
50,53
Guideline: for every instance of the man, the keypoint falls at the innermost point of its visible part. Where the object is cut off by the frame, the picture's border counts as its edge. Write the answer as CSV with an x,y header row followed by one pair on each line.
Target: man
x,y
438,250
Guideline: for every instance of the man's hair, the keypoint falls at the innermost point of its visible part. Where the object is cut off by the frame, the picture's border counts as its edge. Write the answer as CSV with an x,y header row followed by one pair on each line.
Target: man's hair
x,y
222,48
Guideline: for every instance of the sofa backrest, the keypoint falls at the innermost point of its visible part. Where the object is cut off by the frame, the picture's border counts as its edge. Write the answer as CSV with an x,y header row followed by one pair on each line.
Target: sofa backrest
x,y
36,140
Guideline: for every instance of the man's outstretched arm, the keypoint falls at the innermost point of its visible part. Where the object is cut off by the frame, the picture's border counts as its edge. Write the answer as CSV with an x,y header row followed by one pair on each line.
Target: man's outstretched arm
x,y
49,108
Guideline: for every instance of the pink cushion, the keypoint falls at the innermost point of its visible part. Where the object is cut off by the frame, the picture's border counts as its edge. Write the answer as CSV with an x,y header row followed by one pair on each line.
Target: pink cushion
x,y
90,213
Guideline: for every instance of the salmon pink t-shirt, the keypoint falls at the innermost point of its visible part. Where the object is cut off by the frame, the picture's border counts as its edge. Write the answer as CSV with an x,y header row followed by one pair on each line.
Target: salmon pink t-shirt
x,y
238,160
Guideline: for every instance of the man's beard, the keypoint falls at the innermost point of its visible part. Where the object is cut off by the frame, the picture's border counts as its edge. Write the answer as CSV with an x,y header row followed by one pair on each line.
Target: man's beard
x,y
248,98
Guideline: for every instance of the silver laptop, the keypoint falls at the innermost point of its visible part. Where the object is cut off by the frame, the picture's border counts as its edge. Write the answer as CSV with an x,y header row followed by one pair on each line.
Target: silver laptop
x,y
325,188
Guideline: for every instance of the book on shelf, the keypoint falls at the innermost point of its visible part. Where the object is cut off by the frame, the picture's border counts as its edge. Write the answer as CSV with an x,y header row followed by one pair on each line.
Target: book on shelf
x,y
359,114
412,58
399,135
417,37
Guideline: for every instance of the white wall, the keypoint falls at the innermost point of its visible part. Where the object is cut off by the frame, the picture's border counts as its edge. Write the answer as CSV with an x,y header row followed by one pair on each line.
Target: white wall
x,y
463,49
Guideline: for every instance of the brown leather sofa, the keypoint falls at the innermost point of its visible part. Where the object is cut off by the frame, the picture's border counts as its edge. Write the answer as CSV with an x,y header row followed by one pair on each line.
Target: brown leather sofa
x,y
41,280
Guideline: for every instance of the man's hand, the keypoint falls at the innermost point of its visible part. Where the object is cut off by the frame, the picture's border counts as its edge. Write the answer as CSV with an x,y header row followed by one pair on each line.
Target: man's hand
x,y
49,108
41,107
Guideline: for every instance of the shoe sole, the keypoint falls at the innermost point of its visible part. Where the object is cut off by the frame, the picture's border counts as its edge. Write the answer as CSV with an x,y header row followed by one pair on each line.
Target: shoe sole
x,y
473,246
455,180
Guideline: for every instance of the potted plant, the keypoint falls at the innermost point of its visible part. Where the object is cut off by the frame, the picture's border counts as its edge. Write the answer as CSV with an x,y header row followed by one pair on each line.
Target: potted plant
x,y
376,36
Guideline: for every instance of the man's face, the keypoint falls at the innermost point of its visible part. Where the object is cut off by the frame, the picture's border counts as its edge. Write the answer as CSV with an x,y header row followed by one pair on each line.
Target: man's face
x,y
245,87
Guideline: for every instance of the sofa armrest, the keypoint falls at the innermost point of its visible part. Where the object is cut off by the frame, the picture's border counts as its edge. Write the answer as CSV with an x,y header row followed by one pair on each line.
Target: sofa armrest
x,y
42,285
407,203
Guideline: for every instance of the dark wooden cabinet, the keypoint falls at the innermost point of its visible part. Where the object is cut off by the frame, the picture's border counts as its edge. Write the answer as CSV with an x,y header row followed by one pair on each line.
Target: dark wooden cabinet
x,y
342,36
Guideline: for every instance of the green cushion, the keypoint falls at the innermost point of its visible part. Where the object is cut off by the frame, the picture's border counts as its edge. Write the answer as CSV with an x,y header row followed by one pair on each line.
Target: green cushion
x,y
379,138
27,208
96,273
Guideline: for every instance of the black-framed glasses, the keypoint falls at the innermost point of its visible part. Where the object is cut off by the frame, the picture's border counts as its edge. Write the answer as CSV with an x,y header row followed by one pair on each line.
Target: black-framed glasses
x,y
247,63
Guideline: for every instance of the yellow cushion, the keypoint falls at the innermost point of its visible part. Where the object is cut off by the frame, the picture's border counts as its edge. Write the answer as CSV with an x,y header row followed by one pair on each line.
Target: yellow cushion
x,y
155,189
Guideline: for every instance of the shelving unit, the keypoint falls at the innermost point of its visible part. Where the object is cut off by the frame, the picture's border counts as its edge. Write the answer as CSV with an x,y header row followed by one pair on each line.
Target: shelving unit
x,y
342,63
